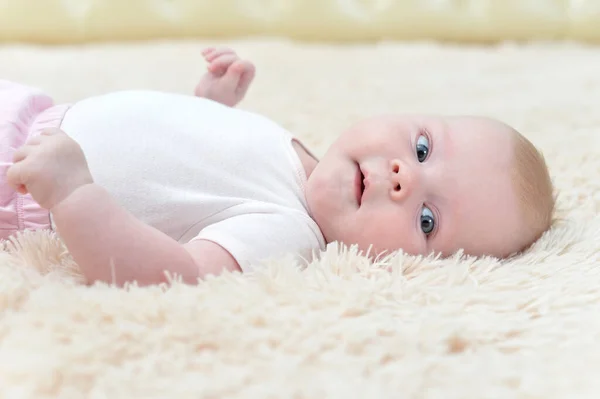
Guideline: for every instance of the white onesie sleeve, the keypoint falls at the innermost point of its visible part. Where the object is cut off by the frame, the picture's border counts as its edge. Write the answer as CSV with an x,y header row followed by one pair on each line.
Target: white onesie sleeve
x,y
253,237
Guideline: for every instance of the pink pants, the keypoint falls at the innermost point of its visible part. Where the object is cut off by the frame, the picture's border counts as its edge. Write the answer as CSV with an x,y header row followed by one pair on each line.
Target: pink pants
x,y
24,113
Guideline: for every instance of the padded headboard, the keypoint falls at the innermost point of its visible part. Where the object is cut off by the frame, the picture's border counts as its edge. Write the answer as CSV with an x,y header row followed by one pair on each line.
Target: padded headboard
x,y
71,21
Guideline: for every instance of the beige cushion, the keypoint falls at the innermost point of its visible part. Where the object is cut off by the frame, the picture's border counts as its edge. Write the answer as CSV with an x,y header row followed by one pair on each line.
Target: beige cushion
x,y
58,21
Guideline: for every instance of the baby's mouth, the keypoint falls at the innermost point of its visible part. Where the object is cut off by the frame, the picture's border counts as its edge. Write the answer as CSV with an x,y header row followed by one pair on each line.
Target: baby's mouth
x,y
359,184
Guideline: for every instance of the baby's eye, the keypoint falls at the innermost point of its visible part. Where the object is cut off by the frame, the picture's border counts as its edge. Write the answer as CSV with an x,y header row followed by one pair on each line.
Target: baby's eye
x,y
422,148
427,220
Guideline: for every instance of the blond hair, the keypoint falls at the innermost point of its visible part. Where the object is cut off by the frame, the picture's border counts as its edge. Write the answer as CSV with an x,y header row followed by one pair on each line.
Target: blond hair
x,y
534,188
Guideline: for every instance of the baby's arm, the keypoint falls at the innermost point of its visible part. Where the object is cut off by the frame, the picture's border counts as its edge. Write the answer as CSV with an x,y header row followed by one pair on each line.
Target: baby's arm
x,y
111,245
106,241
228,77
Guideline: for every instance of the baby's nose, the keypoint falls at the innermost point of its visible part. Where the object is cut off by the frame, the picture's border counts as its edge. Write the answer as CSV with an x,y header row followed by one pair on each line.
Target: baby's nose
x,y
401,180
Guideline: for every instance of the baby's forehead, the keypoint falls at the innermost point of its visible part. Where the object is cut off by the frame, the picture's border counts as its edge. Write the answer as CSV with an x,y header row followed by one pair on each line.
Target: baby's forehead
x,y
485,126
483,203
478,170
482,135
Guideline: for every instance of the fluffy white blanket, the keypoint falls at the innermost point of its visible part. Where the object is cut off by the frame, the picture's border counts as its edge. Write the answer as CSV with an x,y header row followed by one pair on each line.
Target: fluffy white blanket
x,y
343,328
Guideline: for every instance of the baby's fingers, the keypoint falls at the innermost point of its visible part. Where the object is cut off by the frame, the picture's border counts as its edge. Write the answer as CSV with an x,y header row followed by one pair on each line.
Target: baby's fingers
x,y
220,64
22,153
14,177
207,51
211,53
247,71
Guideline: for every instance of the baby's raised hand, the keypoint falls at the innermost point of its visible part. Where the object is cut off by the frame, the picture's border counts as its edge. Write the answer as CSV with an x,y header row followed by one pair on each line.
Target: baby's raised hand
x,y
49,167
228,76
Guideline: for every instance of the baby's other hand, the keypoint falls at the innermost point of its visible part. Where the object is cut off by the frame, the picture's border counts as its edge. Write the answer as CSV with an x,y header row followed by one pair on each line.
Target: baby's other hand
x,y
228,76
49,167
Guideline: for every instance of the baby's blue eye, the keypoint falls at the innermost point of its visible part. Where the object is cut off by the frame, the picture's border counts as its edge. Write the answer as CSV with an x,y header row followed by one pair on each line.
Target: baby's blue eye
x,y
422,148
427,220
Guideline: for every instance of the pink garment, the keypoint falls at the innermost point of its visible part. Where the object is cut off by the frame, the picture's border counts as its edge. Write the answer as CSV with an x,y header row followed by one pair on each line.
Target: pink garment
x,y
24,113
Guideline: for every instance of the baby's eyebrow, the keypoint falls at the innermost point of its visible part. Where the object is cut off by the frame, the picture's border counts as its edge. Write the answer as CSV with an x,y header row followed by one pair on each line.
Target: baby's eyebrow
x,y
444,139
446,239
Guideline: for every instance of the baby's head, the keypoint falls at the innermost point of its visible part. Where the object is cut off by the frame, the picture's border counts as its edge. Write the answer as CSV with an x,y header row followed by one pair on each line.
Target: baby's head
x,y
432,184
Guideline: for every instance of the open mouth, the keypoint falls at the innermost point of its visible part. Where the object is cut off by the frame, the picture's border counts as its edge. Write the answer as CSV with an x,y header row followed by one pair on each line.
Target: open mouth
x,y
359,184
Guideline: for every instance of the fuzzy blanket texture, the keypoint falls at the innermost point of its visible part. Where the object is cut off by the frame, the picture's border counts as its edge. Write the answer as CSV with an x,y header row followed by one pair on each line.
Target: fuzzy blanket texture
x,y
406,327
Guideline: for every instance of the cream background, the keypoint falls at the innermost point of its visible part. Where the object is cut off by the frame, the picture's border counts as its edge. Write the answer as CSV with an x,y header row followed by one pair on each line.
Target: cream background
x,y
60,21
524,328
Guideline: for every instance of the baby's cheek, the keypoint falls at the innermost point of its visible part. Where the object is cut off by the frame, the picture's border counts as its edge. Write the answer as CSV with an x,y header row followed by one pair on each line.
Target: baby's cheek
x,y
390,231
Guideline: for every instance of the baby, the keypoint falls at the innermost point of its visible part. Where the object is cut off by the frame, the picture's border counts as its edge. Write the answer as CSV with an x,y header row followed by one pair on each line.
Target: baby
x,y
139,183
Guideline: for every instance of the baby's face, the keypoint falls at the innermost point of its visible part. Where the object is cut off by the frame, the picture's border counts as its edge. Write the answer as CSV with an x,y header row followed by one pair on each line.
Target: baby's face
x,y
419,183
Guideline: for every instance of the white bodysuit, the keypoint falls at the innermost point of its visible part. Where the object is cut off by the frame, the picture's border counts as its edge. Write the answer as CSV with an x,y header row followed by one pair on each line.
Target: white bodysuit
x,y
196,169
